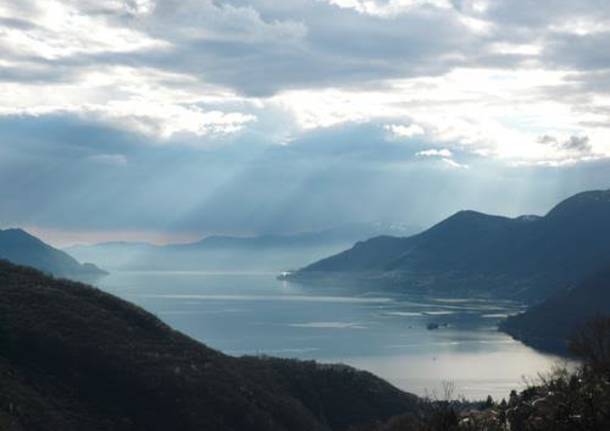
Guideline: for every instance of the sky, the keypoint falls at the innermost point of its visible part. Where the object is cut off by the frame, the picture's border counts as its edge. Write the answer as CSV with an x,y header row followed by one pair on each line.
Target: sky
x,y
169,120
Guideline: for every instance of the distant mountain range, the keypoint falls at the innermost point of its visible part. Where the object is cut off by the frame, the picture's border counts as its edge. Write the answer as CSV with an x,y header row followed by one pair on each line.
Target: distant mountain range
x,y
18,246
471,253
550,325
227,253
74,358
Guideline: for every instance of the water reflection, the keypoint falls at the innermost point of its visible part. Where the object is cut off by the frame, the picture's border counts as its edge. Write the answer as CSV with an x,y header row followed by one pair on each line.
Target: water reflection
x,y
385,333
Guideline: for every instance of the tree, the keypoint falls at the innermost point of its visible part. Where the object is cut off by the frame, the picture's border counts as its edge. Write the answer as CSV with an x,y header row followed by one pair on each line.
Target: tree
x,y
489,402
4,339
592,344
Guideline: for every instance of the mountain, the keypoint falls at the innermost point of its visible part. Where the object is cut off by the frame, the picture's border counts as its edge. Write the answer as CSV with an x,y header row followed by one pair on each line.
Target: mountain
x,y
18,246
526,257
229,253
551,324
75,358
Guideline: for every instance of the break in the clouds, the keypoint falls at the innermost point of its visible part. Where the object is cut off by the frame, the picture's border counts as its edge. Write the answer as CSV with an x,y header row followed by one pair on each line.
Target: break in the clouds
x,y
245,116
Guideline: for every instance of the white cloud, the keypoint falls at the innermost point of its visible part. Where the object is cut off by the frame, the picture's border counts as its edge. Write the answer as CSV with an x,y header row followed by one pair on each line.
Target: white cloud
x,y
402,131
514,48
582,26
61,30
149,101
491,112
453,164
165,120
388,8
476,6
444,155
486,77
435,153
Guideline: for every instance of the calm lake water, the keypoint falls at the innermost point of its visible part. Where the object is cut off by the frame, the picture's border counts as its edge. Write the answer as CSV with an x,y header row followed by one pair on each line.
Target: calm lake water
x,y
385,333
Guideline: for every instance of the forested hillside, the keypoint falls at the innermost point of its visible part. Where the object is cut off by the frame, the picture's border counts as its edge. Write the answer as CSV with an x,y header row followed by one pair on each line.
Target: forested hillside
x,y
75,358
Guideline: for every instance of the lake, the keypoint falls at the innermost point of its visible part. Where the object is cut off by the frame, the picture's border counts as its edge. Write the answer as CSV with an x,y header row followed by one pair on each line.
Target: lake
x,y
382,332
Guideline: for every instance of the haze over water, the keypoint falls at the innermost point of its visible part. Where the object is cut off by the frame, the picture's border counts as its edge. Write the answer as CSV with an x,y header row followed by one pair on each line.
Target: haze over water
x,y
379,331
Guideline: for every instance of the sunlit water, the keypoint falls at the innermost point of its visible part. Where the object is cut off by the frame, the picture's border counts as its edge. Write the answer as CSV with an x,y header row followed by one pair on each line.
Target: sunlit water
x,y
385,333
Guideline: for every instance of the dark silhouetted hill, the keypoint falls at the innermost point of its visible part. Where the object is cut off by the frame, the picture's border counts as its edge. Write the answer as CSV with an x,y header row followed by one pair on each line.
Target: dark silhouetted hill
x,y
75,358
18,246
551,324
526,257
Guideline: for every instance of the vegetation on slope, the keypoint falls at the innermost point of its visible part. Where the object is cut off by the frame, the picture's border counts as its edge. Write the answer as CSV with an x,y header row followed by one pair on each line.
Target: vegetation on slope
x,y
551,324
75,358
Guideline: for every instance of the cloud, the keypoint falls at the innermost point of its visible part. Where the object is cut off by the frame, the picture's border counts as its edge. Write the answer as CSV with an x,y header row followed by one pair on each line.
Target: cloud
x,y
166,120
298,105
444,155
453,164
218,42
389,8
435,153
319,180
575,144
59,29
126,97
401,131
203,69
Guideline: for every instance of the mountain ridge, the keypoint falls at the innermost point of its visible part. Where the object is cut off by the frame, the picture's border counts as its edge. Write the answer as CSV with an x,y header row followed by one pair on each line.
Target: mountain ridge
x,y
276,252
20,247
526,257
